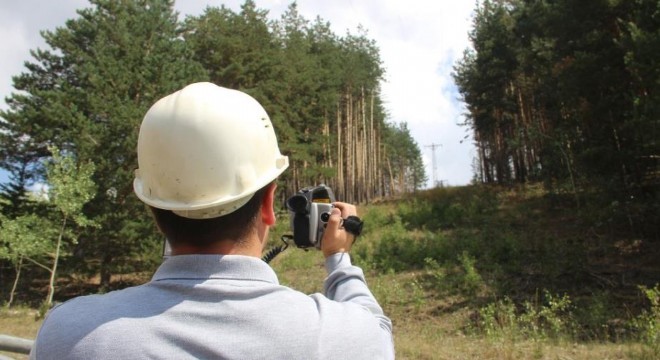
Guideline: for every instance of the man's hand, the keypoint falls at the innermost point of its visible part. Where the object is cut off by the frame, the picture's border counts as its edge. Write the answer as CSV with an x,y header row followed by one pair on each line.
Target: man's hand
x,y
335,238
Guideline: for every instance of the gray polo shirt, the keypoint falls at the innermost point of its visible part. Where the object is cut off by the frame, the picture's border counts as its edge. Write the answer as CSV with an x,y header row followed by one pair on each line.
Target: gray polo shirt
x,y
221,307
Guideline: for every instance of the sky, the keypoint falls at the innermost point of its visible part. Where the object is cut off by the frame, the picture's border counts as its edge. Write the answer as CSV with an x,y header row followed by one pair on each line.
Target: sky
x,y
419,42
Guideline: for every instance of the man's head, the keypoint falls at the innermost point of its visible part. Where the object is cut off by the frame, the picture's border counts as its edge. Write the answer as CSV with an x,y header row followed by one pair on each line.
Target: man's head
x,y
203,153
201,233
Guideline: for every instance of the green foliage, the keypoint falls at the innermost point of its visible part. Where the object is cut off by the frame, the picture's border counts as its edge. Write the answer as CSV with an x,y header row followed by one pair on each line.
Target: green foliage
x,y
648,322
549,319
42,240
25,236
498,319
322,93
437,272
453,278
481,243
415,230
405,158
597,315
397,249
449,208
88,90
70,186
566,93
472,281
86,93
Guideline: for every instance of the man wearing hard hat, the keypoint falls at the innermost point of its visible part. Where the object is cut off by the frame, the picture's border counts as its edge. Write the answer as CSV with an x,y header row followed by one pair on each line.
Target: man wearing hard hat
x,y
208,158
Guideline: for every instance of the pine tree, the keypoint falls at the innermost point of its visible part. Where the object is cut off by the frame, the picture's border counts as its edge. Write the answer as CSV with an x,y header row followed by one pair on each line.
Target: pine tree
x,y
87,95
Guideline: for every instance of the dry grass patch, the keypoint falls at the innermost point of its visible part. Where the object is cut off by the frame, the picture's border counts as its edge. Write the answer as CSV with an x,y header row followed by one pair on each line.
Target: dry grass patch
x,y
20,322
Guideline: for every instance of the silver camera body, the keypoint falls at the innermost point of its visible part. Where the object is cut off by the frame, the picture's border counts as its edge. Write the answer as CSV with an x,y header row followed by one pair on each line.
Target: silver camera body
x,y
310,211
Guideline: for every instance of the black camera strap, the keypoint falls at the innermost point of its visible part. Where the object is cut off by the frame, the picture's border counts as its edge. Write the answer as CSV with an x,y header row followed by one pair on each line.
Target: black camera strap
x,y
353,225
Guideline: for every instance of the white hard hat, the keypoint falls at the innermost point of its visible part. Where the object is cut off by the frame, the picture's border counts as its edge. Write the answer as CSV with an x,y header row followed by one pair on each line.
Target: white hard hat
x,y
204,151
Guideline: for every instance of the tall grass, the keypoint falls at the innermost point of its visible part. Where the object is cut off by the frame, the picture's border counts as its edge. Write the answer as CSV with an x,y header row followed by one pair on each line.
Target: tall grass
x,y
517,262
486,273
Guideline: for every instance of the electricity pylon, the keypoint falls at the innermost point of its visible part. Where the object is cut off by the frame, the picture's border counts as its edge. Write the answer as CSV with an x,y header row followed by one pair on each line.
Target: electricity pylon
x,y
433,147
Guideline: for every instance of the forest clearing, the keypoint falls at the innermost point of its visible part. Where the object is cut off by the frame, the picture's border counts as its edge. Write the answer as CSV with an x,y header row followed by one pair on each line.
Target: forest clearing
x,y
550,253
480,273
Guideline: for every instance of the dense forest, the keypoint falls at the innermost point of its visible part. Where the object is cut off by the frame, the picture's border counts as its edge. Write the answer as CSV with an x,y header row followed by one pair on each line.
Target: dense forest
x,y
565,92
82,100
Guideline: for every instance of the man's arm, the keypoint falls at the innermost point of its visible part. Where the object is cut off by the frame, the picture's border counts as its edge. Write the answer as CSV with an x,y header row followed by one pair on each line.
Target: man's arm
x,y
345,282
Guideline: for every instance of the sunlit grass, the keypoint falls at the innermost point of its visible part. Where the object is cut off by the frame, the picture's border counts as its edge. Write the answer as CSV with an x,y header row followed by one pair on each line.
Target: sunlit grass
x,y
20,322
432,268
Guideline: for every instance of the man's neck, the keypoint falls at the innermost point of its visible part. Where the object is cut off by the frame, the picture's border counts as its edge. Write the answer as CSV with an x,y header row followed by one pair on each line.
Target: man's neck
x,y
249,247
252,245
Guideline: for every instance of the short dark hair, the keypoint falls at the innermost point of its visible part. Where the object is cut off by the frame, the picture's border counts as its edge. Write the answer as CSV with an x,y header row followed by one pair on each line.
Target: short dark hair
x,y
203,232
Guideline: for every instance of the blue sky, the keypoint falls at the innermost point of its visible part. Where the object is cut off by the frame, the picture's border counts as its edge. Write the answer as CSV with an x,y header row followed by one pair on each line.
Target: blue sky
x,y
419,42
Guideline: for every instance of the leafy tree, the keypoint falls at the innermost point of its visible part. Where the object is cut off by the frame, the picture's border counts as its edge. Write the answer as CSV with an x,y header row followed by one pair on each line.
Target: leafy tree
x,y
25,238
562,91
88,92
321,91
88,95
405,166
640,41
484,77
40,240
236,49
70,188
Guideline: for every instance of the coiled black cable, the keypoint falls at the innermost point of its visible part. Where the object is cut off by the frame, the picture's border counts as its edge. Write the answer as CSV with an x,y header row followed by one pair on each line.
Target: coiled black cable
x,y
272,253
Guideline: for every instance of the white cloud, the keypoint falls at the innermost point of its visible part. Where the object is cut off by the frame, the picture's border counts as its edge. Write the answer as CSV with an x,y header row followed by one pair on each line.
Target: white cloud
x,y
15,49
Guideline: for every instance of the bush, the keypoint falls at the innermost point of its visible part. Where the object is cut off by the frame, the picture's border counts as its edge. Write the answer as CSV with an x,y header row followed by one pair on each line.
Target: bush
x,y
472,281
397,249
551,318
460,278
448,208
648,322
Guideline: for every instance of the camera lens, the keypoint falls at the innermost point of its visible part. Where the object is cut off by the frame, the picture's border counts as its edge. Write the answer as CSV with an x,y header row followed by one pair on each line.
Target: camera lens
x,y
325,217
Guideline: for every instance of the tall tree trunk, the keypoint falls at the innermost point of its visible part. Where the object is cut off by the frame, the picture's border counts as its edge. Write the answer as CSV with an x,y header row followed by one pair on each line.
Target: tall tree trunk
x,y
364,149
19,267
106,274
56,258
340,154
373,158
392,183
349,186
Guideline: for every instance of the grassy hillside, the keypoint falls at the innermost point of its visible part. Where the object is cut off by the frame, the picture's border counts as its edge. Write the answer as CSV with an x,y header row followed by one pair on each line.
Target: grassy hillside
x,y
490,273
482,272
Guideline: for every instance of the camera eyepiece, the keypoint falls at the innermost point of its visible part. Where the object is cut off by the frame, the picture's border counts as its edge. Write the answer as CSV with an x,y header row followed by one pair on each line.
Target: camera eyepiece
x,y
297,204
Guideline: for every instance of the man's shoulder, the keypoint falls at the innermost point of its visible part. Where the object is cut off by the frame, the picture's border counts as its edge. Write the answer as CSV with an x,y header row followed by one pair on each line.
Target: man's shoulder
x,y
104,296
87,308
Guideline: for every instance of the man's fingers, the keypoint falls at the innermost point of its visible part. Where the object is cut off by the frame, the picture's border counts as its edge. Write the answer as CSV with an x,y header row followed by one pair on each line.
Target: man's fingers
x,y
346,209
334,222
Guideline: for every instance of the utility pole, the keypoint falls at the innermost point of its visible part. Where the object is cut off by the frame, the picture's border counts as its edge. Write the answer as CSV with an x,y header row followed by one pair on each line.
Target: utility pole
x,y
433,147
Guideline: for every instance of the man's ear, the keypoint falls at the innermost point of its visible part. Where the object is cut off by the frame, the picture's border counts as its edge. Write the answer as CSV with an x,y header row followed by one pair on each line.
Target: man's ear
x,y
267,210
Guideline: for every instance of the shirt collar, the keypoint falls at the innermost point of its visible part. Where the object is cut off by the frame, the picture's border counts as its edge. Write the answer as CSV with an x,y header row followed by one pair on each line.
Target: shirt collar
x,y
235,267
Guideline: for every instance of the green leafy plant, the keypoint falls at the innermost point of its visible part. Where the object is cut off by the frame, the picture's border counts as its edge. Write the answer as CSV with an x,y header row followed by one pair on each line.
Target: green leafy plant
x,y
471,280
648,322
532,320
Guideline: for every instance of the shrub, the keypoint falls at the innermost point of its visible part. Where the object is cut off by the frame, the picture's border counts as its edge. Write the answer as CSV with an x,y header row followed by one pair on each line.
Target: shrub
x,y
387,245
648,322
448,208
550,319
471,280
